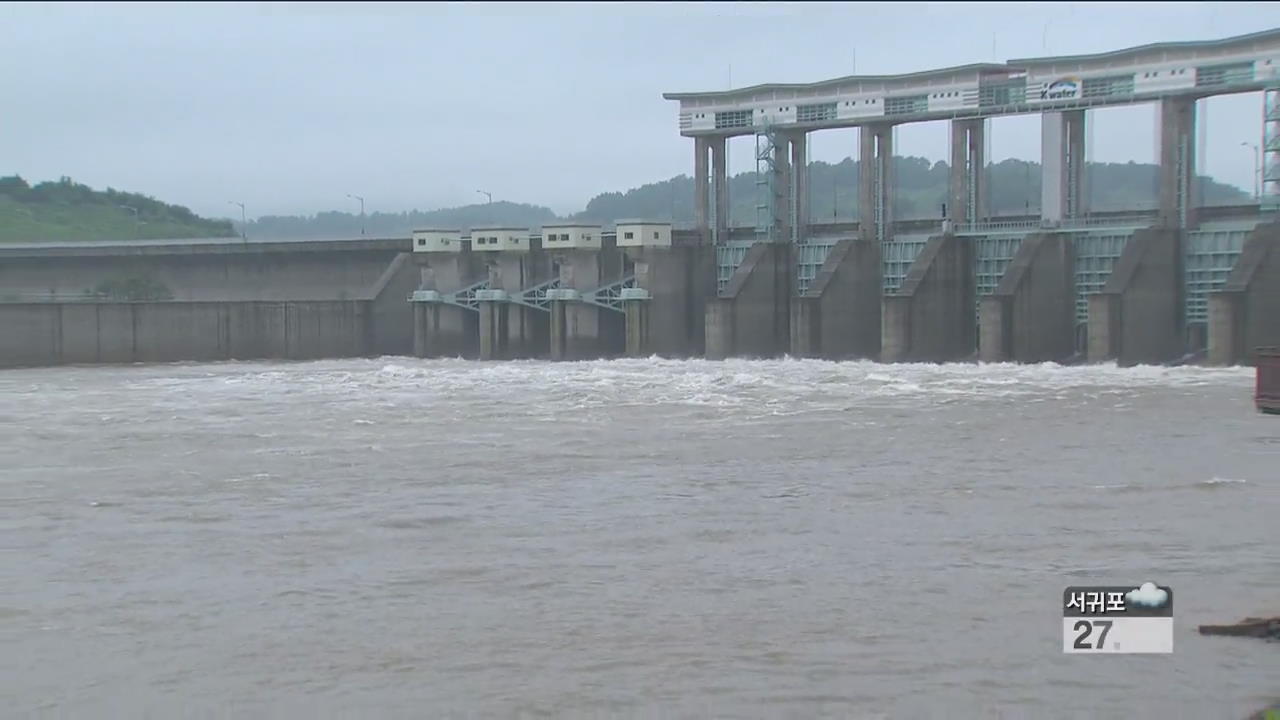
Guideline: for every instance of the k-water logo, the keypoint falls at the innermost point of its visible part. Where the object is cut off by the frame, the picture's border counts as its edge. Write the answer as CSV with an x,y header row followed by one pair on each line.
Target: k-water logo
x,y
1061,89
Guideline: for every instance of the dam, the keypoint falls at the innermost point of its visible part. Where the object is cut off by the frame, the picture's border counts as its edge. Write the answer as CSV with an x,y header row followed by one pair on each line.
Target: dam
x,y
1180,282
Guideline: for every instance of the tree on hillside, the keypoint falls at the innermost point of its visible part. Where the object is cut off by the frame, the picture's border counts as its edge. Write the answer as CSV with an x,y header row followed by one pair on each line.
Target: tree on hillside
x,y
64,208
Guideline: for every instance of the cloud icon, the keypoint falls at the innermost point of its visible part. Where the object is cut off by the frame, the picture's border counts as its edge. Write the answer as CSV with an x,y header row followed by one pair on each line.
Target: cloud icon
x,y
1148,595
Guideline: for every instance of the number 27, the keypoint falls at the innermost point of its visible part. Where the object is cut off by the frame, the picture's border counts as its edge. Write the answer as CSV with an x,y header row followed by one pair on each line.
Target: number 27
x,y
1082,640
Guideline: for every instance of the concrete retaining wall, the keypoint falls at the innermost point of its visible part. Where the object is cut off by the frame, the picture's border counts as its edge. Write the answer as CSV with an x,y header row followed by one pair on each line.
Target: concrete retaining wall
x,y
392,313
318,275
39,334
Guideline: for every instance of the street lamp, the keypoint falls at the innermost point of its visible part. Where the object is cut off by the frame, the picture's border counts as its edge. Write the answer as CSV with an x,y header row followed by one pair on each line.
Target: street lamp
x,y
135,219
1026,183
487,194
357,197
1257,170
244,233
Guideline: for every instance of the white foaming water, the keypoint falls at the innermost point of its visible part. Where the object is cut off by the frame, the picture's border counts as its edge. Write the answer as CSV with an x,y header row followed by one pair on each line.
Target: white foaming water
x,y
740,539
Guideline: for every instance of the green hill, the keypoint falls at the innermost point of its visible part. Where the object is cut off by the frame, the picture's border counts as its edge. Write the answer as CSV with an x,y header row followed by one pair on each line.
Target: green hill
x,y
66,210
327,225
920,190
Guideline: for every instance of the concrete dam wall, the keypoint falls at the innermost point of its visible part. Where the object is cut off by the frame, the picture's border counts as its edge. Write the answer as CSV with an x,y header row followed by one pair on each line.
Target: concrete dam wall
x,y
244,276
41,334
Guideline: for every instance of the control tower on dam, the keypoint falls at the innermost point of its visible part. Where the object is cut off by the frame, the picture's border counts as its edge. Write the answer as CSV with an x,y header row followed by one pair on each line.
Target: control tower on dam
x,y
1068,284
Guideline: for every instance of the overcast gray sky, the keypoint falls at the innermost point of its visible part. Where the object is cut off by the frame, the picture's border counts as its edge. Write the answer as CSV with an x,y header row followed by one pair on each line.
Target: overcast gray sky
x,y
290,107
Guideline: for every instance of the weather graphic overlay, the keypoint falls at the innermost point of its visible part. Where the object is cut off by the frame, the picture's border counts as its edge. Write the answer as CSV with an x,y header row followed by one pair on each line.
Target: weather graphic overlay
x,y
1125,619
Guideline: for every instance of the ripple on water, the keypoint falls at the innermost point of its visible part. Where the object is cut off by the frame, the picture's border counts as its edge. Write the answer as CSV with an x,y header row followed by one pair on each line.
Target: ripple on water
x,y
712,537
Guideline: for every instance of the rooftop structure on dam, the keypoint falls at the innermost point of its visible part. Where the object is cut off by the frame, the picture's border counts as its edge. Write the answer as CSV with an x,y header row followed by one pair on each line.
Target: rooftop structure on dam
x,y
1135,75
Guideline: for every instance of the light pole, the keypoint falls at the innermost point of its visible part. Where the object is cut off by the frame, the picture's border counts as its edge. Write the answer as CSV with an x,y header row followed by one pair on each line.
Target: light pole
x,y
487,194
1257,170
135,219
835,198
361,212
1026,183
244,232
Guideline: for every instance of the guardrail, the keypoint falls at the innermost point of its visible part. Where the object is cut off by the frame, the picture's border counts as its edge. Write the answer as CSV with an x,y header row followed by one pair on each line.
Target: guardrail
x,y
68,298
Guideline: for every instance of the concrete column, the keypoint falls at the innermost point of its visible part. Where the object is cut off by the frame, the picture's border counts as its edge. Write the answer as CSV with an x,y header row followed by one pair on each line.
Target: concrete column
x,y
1062,152
805,327
639,343
719,328
1077,191
720,187
1226,341
1177,162
493,330
875,182
444,331
783,221
800,184
967,196
559,327
701,201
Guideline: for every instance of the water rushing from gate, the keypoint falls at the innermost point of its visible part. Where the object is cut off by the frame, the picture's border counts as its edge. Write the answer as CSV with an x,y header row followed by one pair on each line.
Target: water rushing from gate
x,y
404,538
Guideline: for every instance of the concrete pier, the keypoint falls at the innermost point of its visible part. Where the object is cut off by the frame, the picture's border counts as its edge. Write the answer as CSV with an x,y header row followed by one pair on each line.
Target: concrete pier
x,y
839,316
508,330
1245,314
680,281
443,329
1030,317
1138,317
931,317
580,330
752,317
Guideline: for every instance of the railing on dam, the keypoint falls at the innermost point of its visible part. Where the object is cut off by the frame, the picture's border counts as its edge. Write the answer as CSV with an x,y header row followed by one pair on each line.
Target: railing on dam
x,y
1210,254
729,256
1024,226
56,297
1096,254
810,256
896,257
